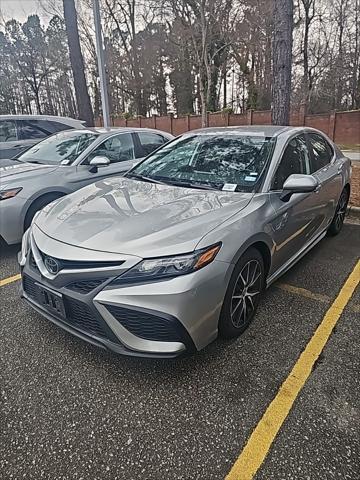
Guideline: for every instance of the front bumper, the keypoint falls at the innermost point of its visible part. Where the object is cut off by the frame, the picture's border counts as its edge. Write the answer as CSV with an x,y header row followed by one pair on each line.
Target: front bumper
x,y
12,219
160,319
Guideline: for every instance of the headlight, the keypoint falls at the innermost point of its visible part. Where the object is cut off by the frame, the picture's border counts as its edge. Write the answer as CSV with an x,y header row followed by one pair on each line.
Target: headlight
x,y
11,192
168,267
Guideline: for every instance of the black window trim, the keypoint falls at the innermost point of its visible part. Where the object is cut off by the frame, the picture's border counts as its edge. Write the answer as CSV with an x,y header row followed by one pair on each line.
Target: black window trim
x,y
311,152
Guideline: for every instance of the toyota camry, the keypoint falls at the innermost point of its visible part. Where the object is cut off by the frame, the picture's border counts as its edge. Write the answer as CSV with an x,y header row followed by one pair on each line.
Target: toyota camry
x,y
179,250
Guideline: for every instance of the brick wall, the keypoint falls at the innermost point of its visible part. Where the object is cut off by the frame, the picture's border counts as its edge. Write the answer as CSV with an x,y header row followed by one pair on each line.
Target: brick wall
x,y
355,185
342,127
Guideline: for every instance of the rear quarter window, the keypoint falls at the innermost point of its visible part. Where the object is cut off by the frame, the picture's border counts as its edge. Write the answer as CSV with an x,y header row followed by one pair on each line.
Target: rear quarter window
x,y
322,151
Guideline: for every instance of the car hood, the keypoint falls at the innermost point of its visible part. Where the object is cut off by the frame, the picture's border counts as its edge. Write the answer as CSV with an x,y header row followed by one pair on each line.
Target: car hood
x,y
121,215
12,170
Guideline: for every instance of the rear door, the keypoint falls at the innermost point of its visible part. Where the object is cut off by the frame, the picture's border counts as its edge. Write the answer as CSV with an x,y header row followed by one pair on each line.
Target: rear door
x,y
299,218
148,142
328,170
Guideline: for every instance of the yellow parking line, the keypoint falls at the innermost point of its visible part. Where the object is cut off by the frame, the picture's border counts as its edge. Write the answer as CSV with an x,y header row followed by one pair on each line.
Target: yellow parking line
x,y
303,292
318,297
261,439
9,280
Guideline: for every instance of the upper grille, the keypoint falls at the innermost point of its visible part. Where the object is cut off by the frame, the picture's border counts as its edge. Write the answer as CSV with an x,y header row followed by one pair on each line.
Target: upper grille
x,y
85,286
145,325
82,264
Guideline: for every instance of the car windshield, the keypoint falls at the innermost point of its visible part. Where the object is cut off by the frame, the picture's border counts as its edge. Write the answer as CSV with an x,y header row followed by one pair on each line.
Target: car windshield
x,y
64,146
221,161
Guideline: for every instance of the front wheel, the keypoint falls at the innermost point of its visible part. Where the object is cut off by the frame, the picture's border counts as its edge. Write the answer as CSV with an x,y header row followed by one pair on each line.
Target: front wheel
x,y
340,212
243,294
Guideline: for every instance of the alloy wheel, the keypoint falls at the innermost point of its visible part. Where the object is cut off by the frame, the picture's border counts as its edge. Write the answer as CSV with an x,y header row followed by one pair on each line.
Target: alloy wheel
x,y
341,210
246,288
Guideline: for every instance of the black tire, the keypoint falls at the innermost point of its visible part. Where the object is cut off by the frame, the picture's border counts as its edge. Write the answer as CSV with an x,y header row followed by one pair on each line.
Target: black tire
x,y
36,206
233,319
340,212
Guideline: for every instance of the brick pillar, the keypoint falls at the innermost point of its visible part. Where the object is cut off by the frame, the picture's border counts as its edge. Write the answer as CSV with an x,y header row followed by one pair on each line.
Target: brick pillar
x,y
226,119
171,117
302,113
332,124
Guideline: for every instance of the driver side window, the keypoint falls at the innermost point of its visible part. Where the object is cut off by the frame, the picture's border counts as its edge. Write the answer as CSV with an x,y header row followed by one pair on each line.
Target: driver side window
x,y
119,148
295,159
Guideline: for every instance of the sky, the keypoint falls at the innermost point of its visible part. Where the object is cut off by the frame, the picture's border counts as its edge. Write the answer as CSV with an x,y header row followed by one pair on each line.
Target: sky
x,y
19,9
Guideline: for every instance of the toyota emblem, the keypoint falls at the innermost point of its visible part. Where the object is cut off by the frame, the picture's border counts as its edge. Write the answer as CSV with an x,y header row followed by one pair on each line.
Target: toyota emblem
x,y
52,265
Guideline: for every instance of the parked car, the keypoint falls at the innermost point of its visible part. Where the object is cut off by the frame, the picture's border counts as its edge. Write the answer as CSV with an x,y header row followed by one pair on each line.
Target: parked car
x,y
19,132
63,163
180,249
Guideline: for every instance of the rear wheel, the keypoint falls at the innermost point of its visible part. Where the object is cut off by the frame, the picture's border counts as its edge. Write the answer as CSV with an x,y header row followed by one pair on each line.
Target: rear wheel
x,y
340,212
243,294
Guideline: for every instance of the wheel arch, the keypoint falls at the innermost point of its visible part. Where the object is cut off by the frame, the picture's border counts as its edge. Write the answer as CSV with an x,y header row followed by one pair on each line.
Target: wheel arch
x,y
263,244
51,194
347,187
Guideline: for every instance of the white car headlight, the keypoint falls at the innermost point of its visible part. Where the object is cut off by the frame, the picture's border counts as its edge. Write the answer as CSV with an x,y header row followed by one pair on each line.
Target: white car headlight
x,y
154,269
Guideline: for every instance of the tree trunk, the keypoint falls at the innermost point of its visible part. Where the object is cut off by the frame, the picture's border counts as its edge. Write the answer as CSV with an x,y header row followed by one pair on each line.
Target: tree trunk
x,y
77,63
282,61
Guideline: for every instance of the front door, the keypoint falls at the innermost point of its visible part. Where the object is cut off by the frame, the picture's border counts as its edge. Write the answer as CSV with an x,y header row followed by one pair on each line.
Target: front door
x,y
297,219
119,149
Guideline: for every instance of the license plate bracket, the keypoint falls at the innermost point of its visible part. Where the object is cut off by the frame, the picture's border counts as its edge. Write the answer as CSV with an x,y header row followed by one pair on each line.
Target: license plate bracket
x,y
51,301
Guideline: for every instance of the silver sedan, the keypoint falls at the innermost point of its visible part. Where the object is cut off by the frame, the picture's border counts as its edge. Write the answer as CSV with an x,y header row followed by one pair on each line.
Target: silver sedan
x,y
64,163
163,260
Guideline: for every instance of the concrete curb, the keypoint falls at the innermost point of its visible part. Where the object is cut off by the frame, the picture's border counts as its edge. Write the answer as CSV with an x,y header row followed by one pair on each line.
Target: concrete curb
x,y
353,211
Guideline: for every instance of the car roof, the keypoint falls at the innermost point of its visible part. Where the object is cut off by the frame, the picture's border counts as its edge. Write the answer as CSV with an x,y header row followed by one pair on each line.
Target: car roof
x,y
108,131
260,130
54,118
37,117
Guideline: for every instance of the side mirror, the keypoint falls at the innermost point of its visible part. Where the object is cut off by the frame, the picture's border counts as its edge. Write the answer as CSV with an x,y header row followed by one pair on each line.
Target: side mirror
x,y
298,183
99,161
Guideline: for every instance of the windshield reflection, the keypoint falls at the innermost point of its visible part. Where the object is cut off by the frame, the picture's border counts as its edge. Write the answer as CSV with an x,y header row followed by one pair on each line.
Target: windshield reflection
x,y
229,162
64,146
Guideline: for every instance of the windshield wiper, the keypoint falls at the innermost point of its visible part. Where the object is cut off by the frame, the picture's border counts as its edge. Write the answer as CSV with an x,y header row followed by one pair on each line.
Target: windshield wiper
x,y
145,179
201,186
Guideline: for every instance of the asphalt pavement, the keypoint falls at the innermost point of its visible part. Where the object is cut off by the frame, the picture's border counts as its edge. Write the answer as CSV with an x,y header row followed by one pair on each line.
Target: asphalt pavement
x,y
72,411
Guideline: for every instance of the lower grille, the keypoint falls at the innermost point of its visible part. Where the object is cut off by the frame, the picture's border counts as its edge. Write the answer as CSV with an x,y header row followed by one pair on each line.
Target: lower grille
x,y
81,316
78,314
31,289
85,286
145,325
